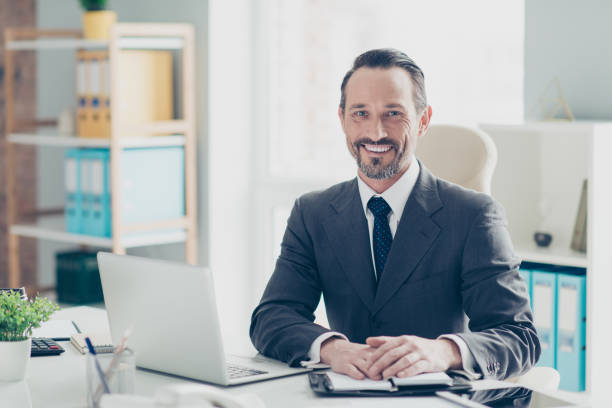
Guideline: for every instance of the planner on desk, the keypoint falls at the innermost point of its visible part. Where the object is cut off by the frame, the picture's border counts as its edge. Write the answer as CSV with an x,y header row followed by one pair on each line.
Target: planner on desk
x,y
101,342
341,382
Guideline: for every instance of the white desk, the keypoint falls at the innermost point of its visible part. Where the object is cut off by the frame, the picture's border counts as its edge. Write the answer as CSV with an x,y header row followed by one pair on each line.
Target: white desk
x,y
59,381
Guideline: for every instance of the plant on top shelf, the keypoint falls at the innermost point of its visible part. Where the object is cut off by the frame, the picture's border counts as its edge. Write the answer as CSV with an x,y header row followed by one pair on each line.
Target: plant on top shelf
x,y
19,316
93,5
97,20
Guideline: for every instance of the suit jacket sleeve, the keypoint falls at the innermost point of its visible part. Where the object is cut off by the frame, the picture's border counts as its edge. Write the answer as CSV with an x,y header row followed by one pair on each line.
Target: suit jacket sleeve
x,y
282,324
502,337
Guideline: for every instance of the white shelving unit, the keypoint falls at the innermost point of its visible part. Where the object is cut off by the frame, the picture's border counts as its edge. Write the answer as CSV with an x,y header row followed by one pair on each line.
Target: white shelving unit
x,y
52,228
20,131
538,179
140,43
50,139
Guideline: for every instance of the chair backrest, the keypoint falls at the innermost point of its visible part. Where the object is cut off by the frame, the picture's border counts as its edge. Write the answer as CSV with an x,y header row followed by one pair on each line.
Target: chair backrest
x,y
459,154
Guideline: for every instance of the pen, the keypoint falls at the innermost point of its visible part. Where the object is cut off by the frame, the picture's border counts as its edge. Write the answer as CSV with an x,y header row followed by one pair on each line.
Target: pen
x,y
113,363
97,363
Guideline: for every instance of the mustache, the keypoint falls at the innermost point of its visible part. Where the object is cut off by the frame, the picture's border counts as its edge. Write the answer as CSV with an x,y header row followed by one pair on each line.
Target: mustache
x,y
383,141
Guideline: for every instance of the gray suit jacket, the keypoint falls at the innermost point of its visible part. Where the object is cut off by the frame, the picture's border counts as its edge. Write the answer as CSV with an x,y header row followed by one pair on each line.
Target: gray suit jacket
x,y
451,270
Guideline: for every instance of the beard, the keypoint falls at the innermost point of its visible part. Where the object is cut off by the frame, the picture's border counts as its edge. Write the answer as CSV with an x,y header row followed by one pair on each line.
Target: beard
x,y
375,169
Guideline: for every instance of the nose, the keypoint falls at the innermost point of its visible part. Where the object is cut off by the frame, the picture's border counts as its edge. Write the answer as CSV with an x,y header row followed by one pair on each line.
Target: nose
x,y
378,131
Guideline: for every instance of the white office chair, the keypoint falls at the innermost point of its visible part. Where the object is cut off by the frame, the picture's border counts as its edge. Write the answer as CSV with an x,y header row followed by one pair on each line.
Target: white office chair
x,y
459,154
539,378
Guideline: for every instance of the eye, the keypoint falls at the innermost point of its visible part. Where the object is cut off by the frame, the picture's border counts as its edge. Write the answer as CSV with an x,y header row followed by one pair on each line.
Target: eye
x,y
360,114
393,113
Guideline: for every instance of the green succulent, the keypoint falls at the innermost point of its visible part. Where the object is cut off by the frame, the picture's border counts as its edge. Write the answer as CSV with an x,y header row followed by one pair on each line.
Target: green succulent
x,y
19,316
93,5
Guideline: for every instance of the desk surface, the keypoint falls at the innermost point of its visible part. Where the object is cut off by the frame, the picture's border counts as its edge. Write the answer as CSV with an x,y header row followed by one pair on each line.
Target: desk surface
x,y
59,381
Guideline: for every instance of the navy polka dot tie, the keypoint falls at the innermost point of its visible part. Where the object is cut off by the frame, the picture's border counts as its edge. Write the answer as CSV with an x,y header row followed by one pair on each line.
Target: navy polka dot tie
x,y
381,235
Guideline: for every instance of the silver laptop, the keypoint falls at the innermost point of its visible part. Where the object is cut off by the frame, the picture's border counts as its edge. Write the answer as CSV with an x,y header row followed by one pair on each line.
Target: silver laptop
x,y
172,311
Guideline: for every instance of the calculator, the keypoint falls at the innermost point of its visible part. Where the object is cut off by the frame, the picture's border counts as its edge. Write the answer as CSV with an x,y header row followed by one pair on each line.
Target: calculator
x,y
42,346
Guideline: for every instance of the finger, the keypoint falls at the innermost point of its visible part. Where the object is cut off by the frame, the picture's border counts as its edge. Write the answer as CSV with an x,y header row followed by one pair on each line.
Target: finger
x,y
401,364
419,367
352,371
388,359
389,344
362,365
377,341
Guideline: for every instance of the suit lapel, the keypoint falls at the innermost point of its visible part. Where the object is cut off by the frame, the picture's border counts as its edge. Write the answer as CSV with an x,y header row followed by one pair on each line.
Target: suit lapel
x,y
416,233
347,230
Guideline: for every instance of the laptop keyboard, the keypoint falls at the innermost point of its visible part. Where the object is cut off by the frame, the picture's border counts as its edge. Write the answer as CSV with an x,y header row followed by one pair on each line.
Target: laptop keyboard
x,y
236,371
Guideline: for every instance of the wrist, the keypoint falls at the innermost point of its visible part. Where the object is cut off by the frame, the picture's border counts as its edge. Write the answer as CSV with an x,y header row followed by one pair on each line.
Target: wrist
x,y
329,348
452,353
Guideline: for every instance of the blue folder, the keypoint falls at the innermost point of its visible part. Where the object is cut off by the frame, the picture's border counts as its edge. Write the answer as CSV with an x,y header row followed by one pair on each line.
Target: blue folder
x,y
99,222
72,177
544,302
571,331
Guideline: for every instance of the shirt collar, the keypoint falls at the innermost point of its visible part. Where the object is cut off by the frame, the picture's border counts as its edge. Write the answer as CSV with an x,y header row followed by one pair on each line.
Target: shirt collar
x,y
396,195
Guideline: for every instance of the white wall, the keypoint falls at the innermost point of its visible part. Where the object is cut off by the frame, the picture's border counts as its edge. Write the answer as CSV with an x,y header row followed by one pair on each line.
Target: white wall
x,y
569,40
56,92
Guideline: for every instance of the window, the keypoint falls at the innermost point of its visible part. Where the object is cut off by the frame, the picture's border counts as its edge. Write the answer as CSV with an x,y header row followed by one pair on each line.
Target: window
x,y
470,51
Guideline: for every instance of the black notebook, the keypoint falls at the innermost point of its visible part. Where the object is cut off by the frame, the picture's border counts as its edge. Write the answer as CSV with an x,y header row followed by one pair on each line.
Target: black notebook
x,y
330,384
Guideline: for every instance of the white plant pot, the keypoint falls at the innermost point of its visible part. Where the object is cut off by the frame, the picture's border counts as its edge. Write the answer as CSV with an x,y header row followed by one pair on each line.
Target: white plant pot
x,y
15,356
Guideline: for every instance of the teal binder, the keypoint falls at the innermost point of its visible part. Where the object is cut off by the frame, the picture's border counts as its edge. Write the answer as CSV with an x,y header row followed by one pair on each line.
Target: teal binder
x,y
544,302
526,275
99,223
84,187
571,331
72,181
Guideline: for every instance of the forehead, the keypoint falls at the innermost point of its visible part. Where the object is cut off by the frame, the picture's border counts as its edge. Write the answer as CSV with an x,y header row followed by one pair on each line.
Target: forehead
x,y
379,85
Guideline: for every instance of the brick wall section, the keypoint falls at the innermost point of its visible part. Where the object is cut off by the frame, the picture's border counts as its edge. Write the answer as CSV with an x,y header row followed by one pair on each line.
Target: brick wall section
x,y
21,13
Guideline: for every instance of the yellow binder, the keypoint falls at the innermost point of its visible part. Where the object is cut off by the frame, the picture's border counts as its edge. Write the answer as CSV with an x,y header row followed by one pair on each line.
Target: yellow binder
x,y
145,83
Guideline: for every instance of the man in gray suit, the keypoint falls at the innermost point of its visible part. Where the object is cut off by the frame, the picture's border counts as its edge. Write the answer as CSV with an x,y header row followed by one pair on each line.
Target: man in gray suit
x,y
418,274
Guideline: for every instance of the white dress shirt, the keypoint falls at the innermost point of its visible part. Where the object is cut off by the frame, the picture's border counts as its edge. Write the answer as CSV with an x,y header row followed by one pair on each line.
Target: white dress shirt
x,y
396,196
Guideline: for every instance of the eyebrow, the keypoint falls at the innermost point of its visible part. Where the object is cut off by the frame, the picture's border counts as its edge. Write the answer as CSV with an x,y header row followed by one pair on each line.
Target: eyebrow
x,y
363,105
357,106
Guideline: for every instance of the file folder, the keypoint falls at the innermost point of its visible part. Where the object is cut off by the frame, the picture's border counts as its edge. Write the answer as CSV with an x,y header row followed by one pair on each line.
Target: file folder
x,y
571,331
544,287
147,89
150,191
99,222
526,275
82,94
72,209
84,187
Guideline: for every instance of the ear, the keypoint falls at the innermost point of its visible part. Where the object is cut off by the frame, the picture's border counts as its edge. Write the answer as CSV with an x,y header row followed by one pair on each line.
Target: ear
x,y
425,120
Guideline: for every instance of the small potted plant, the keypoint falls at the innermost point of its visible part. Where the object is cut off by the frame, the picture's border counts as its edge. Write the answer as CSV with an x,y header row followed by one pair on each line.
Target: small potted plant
x,y
97,20
18,316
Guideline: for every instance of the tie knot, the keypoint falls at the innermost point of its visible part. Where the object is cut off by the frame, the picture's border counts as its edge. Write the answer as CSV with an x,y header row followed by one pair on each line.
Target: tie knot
x,y
379,207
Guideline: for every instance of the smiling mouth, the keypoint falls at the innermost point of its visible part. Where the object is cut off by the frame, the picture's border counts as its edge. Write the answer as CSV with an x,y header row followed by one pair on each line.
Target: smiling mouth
x,y
377,148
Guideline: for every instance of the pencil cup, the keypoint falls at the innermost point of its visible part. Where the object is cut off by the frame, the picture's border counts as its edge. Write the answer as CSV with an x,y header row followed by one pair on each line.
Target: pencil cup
x,y
118,374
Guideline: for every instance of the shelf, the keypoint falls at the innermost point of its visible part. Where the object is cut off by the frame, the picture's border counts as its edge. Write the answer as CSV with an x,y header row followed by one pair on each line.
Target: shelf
x,y
552,255
541,126
74,141
140,43
52,228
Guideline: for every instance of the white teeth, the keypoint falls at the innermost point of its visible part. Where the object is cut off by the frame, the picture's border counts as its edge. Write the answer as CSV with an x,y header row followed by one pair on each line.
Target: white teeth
x,y
377,148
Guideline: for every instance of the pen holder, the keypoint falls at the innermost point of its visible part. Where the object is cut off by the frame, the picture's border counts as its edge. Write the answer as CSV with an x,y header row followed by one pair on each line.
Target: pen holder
x,y
118,370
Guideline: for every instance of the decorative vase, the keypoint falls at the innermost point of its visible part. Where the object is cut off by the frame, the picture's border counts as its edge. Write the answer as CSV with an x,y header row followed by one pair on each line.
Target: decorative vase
x,y
96,24
15,356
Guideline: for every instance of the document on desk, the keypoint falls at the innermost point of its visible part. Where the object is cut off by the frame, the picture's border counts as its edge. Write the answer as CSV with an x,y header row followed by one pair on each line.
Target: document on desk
x,y
341,382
